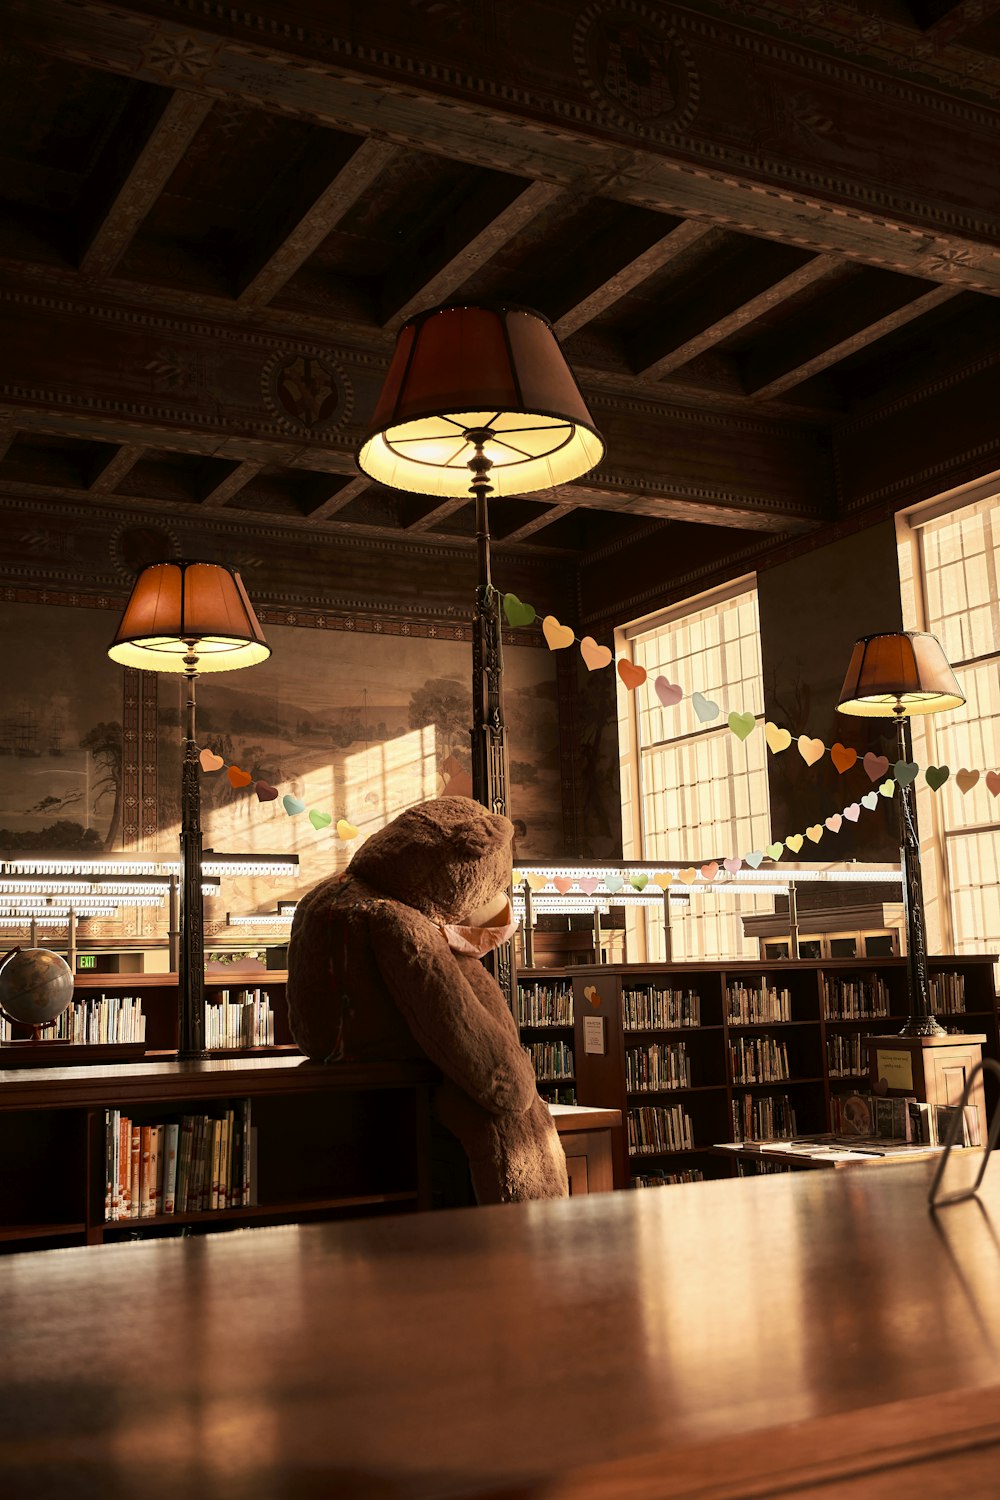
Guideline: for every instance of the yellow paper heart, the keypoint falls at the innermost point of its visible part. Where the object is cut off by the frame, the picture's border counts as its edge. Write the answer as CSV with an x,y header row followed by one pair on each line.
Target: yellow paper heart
x,y
777,739
815,832
811,750
345,830
594,655
557,636
537,881
688,876
794,842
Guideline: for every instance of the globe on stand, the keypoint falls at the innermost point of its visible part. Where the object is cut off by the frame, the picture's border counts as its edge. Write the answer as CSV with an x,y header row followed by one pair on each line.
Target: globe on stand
x,y
36,985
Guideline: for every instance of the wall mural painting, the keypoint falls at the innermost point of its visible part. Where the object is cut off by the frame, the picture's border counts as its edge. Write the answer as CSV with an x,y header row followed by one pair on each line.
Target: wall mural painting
x,y
60,732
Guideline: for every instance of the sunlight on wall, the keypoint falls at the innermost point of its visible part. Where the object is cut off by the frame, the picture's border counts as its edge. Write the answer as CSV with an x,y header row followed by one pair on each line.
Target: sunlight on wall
x,y
389,777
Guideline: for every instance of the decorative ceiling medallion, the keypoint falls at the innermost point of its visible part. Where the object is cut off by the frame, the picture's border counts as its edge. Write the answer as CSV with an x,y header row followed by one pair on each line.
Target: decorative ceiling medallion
x,y
306,391
635,68
135,546
174,56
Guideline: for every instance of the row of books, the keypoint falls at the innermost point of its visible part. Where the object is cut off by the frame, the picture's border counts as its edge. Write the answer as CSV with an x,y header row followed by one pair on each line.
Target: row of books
x,y
649,1179
746,1005
658,1066
902,1118
653,1128
101,1020
847,1054
768,1117
947,994
542,1005
191,1165
660,1010
244,1019
854,999
551,1059
758,1059
555,1092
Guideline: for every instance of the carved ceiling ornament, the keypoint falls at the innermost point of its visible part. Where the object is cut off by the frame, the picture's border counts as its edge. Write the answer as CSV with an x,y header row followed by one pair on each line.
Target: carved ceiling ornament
x,y
306,391
635,67
175,57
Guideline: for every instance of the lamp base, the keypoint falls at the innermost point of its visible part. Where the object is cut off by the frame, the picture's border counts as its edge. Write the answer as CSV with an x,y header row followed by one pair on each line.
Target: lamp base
x,y
922,1026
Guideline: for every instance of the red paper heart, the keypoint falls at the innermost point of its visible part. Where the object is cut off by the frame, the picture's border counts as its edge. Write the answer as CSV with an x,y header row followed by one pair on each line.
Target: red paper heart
x,y
238,777
993,782
843,757
562,883
265,791
632,676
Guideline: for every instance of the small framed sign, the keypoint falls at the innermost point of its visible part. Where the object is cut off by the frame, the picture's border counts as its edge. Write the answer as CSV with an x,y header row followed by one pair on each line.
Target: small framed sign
x,y
894,1067
593,1035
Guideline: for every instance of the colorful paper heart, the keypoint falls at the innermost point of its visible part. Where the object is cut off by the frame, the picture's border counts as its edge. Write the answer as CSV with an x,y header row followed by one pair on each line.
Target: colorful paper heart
x,y
591,996
754,860
777,739
345,830
210,761
563,883
265,791
870,800
905,771
775,851
292,805
794,842
887,788
853,813
810,750
595,657
814,832
742,725
834,822
632,676
704,707
709,871
662,882
668,692
966,780
843,757
516,612
732,866
639,881
537,881
320,819
993,783
613,883
237,777
875,765
589,884
936,776
688,876
557,636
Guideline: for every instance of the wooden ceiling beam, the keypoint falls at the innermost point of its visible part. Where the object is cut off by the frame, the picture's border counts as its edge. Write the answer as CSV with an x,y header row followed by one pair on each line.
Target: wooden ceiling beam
x,y
734,297
221,493
117,466
148,173
307,225
471,235
945,20
537,523
591,286
859,318
438,513
8,431
341,497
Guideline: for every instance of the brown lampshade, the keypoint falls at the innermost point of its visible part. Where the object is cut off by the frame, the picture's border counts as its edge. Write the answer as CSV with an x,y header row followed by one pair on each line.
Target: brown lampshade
x,y
461,368
907,669
189,608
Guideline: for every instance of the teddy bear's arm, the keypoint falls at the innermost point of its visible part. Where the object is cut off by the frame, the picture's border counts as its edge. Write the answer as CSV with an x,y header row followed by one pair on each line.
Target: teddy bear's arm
x,y
471,1047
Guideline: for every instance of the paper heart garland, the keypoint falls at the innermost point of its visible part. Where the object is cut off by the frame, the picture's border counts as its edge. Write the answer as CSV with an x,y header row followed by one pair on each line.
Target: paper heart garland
x,y
594,656
704,707
537,881
709,871
320,819
210,761
668,692
754,860
843,757
265,791
814,833
732,865
516,612
238,778
775,851
688,876
834,822
345,830
905,771
810,750
875,765
613,883
563,883
777,739
993,783
886,788
557,636
588,884
936,776
638,881
632,676
742,725
292,805
853,812
870,800
966,780
794,842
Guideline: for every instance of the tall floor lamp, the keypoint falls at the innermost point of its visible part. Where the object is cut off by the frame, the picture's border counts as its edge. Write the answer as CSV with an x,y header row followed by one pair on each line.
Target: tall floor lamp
x,y
893,676
479,400
189,617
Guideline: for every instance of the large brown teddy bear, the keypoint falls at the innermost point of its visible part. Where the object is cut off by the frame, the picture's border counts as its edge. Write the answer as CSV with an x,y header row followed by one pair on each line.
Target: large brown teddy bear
x,y
379,969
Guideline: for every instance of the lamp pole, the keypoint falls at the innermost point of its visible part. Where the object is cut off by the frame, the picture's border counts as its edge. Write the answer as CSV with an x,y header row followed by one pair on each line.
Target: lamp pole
x,y
191,960
920,1021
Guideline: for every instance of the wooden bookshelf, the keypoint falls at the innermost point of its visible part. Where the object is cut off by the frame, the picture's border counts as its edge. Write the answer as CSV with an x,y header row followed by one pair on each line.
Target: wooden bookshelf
x,y
545,1011
796,1022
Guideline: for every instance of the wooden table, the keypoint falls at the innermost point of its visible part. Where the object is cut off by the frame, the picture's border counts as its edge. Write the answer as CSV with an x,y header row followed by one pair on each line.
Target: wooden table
x,y
712,1340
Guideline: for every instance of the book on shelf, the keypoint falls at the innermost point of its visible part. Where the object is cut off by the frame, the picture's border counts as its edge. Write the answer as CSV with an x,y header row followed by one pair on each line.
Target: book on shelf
x,y
854,999
239,1021
748,1005
651,1009
544,1005
101,1020
657,1067
551,1060
179,1166
654,1128
768,1117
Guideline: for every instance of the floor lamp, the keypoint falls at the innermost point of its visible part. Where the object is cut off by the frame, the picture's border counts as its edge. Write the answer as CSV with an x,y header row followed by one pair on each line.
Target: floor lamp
x,y
893,676
189,617
479,400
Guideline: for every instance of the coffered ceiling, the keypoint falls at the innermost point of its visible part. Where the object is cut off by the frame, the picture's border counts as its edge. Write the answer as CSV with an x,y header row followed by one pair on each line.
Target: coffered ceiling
x,y
765,234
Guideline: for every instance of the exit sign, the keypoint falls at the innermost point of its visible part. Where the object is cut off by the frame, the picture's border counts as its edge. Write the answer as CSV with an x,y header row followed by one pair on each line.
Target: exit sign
x,y
87,961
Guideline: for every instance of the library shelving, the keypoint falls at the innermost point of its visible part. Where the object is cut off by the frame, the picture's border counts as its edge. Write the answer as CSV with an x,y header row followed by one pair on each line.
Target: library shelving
x,y
545,1012
699,1054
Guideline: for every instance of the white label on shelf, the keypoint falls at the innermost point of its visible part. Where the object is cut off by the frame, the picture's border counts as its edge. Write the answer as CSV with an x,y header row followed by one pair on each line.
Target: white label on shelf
x,y
593,1035
895,1069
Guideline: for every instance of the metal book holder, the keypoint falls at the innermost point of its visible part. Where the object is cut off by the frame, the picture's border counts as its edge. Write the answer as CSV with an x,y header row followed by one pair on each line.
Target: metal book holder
x,y
953,1129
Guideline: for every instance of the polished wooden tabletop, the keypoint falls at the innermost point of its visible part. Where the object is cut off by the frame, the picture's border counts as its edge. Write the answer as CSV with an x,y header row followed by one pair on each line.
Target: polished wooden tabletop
x,y
663,1342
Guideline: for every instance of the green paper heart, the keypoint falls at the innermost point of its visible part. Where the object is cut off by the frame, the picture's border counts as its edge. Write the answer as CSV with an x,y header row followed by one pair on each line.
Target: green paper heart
x,y
905,771
754,860
886,788
704,707
292,805
742,725
516,612
936,776
613,882
639,881
774,851
320,820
